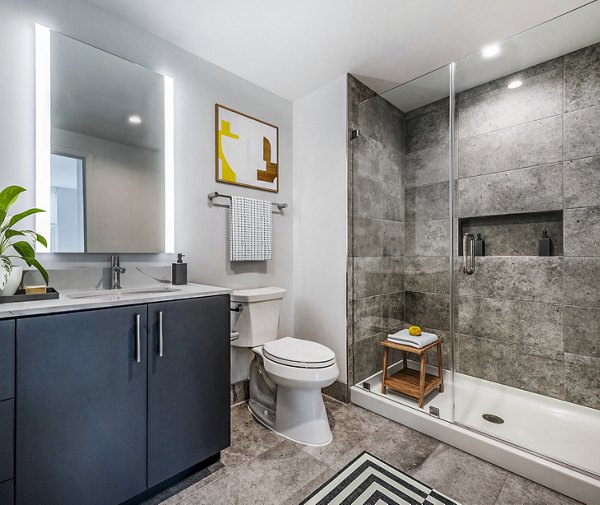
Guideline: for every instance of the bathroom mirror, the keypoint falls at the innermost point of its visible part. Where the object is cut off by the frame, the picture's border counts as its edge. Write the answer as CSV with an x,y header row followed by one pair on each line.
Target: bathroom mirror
x,y
104,140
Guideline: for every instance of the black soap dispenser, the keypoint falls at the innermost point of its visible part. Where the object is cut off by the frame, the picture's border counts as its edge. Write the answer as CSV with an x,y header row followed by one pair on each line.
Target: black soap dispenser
x,y
179,271
479,246
545,245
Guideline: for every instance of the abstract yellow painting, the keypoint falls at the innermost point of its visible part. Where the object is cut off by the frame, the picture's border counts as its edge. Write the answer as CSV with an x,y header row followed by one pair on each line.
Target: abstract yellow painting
x,y
247,150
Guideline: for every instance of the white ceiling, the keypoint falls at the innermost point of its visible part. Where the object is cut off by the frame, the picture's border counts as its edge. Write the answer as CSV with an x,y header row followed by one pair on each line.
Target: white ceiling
x,y
293,47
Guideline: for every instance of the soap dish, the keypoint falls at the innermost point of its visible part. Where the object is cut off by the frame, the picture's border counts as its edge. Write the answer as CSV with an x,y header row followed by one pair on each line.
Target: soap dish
x,y
20,296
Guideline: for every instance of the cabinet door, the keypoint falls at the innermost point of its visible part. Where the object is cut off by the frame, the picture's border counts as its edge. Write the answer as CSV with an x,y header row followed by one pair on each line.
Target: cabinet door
x,y
188,386
81,407
7,359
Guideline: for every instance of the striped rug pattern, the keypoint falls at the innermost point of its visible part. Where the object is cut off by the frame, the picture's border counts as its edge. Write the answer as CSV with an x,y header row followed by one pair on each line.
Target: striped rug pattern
x,y
368,480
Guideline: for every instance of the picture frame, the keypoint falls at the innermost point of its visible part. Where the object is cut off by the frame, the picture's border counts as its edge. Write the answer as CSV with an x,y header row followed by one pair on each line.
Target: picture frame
x,y
246,150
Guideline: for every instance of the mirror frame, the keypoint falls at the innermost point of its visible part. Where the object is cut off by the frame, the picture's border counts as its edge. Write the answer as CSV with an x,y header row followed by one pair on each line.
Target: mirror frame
x,y
43,145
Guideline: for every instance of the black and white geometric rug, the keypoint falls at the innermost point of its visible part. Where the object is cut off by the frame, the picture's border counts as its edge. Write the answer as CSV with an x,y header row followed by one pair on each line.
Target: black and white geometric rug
x,y
368,480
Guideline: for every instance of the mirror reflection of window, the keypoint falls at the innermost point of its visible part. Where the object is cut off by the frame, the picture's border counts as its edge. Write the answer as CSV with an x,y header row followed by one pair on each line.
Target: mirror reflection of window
x,y
67,223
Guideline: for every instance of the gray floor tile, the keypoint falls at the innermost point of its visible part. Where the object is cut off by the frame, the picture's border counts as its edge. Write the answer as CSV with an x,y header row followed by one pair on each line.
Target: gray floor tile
x,y
518,490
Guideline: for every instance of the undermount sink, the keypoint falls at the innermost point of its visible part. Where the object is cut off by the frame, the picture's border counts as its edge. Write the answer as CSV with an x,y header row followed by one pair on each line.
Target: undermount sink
x,y
117,293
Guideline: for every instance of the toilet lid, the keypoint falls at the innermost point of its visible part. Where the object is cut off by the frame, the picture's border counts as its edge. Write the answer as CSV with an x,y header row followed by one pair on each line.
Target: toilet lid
x,y
299,353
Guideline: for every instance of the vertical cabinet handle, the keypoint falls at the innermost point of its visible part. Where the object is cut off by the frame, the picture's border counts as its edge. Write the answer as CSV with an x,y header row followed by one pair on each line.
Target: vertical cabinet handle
x,y
468,254
160,334
138,343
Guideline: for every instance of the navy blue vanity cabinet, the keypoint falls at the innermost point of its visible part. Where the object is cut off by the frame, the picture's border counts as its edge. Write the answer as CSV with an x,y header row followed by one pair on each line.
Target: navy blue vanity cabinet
x,y
7,410
188,383
81,407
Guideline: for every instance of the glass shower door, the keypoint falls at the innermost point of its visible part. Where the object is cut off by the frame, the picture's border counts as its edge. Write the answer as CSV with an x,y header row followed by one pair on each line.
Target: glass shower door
x,y
526,247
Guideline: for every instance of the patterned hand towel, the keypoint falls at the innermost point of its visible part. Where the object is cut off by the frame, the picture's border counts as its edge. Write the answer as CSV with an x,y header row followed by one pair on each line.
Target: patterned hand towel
x,y
250,229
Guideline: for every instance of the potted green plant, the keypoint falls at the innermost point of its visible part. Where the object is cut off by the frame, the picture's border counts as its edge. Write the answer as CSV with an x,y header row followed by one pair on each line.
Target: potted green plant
x,y
16,244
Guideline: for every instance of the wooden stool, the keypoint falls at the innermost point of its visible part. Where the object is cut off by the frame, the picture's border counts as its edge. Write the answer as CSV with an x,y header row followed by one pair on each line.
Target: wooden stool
x,y
408,381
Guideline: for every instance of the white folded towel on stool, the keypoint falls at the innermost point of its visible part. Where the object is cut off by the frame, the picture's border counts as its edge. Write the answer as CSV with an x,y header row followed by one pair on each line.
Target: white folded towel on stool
x,y
403,337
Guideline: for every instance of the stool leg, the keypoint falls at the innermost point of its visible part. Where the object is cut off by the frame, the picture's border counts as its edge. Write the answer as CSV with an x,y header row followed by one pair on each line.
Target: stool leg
x,y
440,367
404,360
384,371
422,379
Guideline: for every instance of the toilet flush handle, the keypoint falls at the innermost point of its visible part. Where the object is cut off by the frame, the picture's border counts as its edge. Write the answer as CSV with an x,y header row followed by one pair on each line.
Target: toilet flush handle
x,y
234,336
238,308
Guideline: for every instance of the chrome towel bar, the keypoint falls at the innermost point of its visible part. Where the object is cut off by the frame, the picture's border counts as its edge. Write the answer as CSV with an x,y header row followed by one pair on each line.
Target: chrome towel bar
x,y
212,196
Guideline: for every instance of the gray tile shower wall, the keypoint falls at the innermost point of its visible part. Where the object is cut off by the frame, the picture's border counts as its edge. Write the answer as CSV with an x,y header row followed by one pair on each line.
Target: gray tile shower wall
x,y
376,276
521,320
526,321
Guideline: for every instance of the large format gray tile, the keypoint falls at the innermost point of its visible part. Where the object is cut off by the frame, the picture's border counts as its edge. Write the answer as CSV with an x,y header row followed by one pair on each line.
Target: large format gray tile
x,y
524,367
427,309
518,322
460,476
423,131
582,130
367,196
367,357
427,202
516,191
582,182
267,479
582,331
357,93
392,238
381,121
582,78
427,166
582,377
392,197
539,97
427,238
368,317
582,231
427,273
393,311
373,159
367,237
366,277
518,490
524,145
534,279
581,282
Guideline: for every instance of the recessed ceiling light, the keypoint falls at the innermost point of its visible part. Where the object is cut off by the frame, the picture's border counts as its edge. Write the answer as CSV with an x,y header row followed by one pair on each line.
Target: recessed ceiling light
x,y
135,119
490,51
514,84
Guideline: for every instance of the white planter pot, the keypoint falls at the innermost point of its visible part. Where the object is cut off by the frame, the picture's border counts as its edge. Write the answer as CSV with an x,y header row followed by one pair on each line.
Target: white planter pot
x,y
14,279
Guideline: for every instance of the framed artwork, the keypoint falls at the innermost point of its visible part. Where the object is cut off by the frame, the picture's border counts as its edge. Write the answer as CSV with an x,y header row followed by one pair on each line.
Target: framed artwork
x,y
247,150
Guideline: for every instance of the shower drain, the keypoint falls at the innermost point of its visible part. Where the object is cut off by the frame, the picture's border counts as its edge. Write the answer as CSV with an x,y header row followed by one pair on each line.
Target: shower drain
x,y
491,418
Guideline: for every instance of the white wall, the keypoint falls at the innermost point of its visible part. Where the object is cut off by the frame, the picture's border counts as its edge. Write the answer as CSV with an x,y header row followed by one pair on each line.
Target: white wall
x,y
320,219
200,231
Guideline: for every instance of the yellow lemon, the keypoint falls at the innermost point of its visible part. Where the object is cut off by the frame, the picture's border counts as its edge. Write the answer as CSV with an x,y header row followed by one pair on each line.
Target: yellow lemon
x,y
415,331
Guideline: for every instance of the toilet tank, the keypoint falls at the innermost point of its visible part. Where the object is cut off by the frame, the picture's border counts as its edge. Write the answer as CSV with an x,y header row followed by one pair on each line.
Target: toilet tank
x,y
258,320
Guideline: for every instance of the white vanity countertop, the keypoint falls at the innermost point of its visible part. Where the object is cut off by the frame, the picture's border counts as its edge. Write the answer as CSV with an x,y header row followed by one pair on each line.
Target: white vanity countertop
x,y
71,300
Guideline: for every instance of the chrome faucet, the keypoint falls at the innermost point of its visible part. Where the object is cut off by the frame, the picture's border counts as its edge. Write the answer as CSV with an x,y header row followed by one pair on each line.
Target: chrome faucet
x,y
116,270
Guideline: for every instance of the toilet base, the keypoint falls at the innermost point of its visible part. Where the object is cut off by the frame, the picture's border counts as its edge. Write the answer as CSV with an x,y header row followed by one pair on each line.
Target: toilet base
x,y
309,426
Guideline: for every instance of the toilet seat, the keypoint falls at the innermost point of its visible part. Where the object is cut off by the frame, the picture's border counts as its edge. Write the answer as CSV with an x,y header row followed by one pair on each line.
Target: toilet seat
x,y
298,353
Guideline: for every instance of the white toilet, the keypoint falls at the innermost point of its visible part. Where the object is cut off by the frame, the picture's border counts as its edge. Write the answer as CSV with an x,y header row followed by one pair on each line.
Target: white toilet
x,y
287,374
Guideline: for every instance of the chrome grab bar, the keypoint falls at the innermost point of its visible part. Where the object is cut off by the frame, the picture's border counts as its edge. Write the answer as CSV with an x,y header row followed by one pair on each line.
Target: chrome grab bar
x,y
468,258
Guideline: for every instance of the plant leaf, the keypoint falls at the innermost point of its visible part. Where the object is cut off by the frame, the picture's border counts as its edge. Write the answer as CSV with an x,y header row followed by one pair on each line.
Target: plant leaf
x,y
7,197
35,263
27,233
17,217
25,251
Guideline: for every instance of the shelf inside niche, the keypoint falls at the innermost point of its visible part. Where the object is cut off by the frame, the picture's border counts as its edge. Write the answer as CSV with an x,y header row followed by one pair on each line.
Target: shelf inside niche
x,y
514,234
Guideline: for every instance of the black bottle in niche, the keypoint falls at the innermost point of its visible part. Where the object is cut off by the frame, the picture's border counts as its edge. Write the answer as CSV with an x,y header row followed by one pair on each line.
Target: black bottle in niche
x,y
479,246
545,245
179,271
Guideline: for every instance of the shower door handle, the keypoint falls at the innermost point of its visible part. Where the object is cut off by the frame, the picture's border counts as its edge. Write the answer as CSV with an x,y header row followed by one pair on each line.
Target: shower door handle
x,y
468,254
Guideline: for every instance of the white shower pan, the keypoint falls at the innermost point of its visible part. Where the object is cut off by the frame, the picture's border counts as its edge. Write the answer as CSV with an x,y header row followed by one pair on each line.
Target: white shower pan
x,y
549,441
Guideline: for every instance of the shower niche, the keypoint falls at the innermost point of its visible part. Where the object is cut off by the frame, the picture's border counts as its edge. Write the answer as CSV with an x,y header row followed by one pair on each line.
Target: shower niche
x,y
515,234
